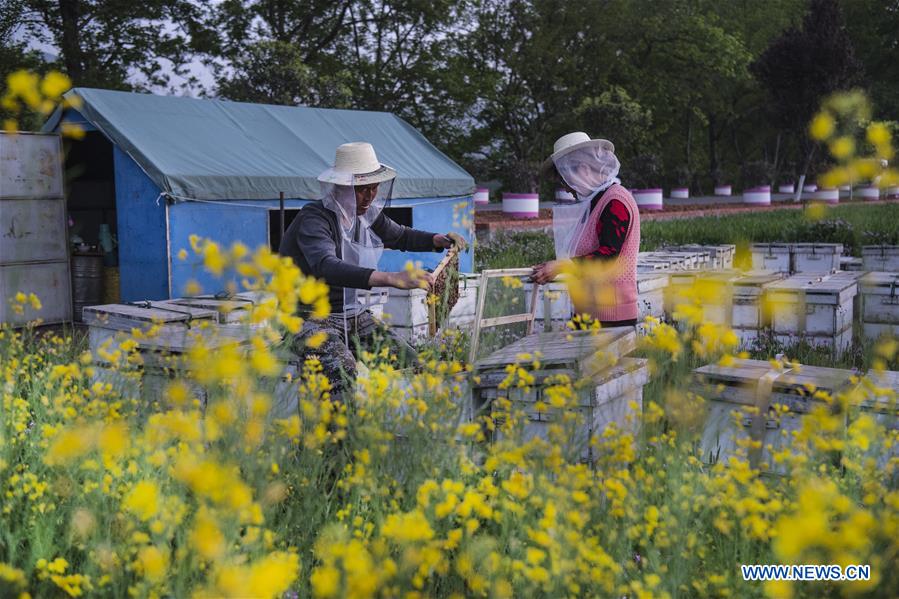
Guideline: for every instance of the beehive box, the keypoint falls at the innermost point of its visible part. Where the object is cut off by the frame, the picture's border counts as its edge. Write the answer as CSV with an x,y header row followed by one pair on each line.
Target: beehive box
x,y
771,256
406,310
851,264
720,256
880,399
178,328
816,257
879,304
651,296
608,386
679,282
748,316
817,309
741,404
882,258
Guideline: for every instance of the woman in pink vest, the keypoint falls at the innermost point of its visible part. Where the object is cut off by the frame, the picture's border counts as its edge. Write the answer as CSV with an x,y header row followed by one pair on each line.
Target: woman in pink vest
x,y
600,230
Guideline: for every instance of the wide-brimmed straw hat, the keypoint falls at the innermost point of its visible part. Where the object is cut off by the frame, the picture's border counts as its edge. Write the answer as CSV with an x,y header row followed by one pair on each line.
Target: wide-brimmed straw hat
x,y
356,163
571,142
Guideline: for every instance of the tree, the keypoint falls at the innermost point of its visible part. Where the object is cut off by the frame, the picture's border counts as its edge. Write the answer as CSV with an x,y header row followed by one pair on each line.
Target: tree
x,y
102,43
873,27
802,66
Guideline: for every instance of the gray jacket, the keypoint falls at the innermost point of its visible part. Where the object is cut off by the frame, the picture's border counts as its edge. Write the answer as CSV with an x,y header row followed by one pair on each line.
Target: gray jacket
x,y
313,241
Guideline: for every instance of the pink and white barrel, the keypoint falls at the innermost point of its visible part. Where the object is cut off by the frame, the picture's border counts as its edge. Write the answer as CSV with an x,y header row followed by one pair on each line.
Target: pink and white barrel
x,y
681,193
828,195
846,188
724,190
482,196
892,193
563,195
786,188
758,196
648,199
868,192
521,205
810,188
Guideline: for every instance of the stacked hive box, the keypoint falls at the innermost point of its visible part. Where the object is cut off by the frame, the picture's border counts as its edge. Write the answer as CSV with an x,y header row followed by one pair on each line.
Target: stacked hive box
x,y
881,258
720,256
823,258
741,406
744,402
651,296
815,308
168,330
609,387
879,304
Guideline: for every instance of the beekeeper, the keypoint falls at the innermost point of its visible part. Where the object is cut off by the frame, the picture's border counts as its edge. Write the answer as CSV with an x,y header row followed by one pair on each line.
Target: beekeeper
x,y
599,229
340,239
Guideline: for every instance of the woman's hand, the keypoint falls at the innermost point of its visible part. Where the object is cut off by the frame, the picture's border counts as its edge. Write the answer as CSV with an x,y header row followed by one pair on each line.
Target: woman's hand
x,y
546,271
448,240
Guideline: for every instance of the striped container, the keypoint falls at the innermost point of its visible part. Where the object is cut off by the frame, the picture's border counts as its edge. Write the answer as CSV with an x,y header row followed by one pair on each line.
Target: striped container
x,y
758,196
681,193
564,196
810,188
723,190
868,192
892,192
521,205
648,199
787,188
482,196
828,195
846,188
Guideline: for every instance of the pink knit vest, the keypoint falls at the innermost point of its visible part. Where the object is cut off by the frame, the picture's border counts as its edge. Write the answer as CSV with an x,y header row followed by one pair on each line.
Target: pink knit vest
x,y
622,304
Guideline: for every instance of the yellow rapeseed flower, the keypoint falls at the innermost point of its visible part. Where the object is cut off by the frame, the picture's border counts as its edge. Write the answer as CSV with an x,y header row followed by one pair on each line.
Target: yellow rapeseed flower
x,y
143,500
822,126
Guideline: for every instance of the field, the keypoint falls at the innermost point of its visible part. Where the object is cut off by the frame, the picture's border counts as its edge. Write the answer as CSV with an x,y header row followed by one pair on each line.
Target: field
x,y
397,493
852,225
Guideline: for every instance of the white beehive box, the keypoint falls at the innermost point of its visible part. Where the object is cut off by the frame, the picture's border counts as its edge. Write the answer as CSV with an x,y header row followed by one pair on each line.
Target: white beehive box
x,y
406,310
609,387
851,264
881,399
817,309
883,258
748,318
816,257
879,293
651,296
771,256
463,313
741,405
720,256
676,292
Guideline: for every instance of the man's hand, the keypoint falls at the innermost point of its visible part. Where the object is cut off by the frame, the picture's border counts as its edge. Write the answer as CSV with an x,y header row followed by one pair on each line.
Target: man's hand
x,y
546,271
448,240
406,279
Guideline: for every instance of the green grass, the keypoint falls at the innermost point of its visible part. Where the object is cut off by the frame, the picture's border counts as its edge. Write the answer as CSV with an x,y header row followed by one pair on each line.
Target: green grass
x,y
852,225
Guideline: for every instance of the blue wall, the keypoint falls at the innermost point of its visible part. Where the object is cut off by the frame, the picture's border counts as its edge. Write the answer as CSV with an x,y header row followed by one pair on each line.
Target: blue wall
x,y
441,215
143,260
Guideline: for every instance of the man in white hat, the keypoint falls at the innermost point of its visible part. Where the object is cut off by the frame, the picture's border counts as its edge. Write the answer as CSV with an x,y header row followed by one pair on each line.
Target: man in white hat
x,y
340,240
600,230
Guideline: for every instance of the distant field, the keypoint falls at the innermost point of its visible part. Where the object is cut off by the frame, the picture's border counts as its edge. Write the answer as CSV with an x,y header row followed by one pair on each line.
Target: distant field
x,y
852,225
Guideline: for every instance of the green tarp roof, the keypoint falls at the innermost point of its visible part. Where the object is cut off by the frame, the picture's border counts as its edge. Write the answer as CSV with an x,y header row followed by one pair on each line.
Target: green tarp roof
x,y
215,150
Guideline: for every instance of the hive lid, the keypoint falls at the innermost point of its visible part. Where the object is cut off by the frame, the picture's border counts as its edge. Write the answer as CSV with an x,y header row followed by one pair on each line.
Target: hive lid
x,y
144,315
564,347
880,250
800,381
773,248
879,281
814,285
818,248
651,281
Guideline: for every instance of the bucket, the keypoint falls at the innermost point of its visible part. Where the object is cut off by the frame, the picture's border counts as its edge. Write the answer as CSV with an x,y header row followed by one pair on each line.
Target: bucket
x,y
521,205
723,190
87,282
828,195
790,188
868,192
648,199
893,192
482,196
680,193
758,196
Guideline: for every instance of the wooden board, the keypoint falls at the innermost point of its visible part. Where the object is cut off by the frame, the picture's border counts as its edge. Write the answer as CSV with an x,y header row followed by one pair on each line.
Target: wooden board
x,y
563,347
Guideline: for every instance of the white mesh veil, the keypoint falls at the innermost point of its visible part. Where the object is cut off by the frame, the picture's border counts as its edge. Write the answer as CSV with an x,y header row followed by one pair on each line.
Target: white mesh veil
x,y
588,171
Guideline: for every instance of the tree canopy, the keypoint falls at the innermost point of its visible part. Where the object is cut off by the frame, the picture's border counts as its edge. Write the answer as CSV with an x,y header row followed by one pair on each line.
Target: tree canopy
x,y
692,92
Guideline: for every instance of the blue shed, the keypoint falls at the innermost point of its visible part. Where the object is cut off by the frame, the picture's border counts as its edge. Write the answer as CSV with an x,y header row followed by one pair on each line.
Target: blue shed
x,y
157,169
